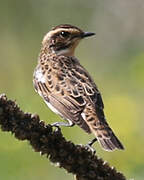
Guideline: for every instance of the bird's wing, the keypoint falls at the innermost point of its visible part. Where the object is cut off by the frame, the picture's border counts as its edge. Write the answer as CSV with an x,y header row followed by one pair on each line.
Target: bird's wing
x,y
93,111
91,91
64,93
67,86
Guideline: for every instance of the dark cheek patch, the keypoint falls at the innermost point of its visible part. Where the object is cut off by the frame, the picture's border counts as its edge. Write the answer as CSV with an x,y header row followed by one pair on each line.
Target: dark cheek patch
x,y
59,43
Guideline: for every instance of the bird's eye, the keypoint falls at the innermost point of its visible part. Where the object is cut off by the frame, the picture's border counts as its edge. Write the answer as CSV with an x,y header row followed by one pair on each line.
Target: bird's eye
x,y
64,34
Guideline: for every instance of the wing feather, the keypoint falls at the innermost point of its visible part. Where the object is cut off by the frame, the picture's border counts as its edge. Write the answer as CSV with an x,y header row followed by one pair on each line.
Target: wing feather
x,y
67,86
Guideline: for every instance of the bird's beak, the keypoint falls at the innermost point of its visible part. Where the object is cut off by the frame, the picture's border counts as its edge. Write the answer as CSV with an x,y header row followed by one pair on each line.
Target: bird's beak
x,y
87,34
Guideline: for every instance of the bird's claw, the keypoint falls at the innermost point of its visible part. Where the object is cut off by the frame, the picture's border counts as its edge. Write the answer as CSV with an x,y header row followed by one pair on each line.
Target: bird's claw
x,y
89,148
56,125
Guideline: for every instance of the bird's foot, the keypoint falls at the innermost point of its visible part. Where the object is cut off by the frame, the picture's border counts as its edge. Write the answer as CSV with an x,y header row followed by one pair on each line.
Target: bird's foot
x,y
89,148
89,145
58,124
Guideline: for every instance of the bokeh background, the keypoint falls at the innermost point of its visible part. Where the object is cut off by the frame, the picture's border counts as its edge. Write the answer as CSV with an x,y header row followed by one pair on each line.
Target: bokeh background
x,y
114,57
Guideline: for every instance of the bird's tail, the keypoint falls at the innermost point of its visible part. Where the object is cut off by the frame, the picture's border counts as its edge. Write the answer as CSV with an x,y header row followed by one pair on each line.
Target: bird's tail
x,y
103,132
108,140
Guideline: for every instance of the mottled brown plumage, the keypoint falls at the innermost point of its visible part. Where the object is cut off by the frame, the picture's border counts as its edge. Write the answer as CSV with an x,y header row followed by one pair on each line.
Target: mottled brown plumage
x,y
67,87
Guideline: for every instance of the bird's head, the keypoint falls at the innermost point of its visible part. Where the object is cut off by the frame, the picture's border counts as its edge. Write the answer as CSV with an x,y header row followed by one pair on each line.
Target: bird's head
x,y
63,39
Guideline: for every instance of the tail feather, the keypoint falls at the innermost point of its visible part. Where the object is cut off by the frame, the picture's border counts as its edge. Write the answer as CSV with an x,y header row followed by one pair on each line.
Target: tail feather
x,y
111,143
100,128
105,135
107,138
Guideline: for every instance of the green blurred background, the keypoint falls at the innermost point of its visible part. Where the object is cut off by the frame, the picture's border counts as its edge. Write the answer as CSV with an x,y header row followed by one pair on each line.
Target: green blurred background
x,y
114,57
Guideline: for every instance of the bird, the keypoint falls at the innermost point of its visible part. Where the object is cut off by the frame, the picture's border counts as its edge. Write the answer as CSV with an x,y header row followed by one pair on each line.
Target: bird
x,y
67,87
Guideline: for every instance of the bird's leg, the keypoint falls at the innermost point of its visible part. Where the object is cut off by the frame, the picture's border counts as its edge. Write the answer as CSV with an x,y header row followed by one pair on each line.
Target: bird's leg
x,y
92,142
89,145
58,124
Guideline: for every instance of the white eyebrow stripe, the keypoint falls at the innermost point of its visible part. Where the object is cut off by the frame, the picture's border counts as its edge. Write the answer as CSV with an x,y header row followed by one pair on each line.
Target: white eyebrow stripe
x,y
52,32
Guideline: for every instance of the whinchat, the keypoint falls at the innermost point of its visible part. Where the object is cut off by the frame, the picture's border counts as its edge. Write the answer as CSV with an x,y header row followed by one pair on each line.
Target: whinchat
x,y
68,89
